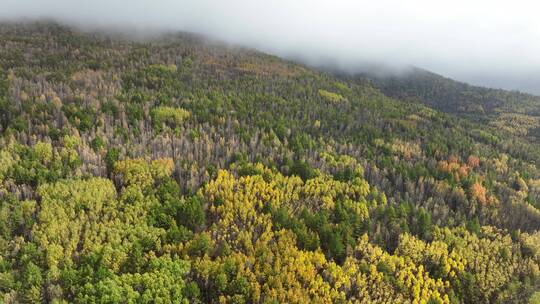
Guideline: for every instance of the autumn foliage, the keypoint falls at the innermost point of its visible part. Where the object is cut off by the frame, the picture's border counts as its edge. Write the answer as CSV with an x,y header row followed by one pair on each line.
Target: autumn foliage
x,y
177,170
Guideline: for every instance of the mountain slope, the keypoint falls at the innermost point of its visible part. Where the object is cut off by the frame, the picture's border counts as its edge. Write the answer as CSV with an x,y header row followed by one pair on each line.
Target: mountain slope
x,y
518,113
230,175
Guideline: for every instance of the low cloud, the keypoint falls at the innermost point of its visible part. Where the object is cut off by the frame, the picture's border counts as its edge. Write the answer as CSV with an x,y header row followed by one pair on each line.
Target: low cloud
x,y
494,43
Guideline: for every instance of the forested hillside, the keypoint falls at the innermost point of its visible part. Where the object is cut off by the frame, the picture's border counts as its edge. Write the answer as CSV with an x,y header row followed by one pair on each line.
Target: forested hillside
x,y
178,170
514,112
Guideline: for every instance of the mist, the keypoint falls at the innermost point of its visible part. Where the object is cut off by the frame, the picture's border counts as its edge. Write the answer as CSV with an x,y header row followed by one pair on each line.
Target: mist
x,y
490,43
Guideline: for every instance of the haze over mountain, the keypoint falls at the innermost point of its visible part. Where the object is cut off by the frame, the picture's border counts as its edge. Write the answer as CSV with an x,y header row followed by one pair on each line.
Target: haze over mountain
x,y
489,43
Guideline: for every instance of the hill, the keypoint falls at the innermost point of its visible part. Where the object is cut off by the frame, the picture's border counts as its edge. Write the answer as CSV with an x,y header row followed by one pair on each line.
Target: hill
x,y
178,169
516,112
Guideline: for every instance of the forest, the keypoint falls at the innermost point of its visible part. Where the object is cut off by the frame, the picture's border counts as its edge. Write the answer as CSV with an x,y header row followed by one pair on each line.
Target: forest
x,y
180,170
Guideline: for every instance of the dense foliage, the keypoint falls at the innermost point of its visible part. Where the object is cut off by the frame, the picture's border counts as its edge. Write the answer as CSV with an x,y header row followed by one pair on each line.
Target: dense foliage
x,y
515,112
179,170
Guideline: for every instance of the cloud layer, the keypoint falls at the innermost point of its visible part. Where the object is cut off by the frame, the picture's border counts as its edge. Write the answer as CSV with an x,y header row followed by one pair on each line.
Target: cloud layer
x,y
494,43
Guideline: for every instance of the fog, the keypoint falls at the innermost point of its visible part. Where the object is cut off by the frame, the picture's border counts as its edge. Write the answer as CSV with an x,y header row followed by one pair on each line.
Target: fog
x,y
486,42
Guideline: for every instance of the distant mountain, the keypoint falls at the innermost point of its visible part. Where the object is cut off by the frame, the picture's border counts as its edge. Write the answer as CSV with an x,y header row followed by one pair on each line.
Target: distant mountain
x,y
453,96
511,110
523,81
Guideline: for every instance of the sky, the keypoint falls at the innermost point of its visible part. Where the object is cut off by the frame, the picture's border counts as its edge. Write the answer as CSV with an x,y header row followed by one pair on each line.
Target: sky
x,y
486,42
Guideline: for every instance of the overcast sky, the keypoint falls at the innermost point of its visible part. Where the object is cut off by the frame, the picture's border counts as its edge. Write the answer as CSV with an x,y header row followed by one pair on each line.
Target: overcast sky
x,y
487,42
